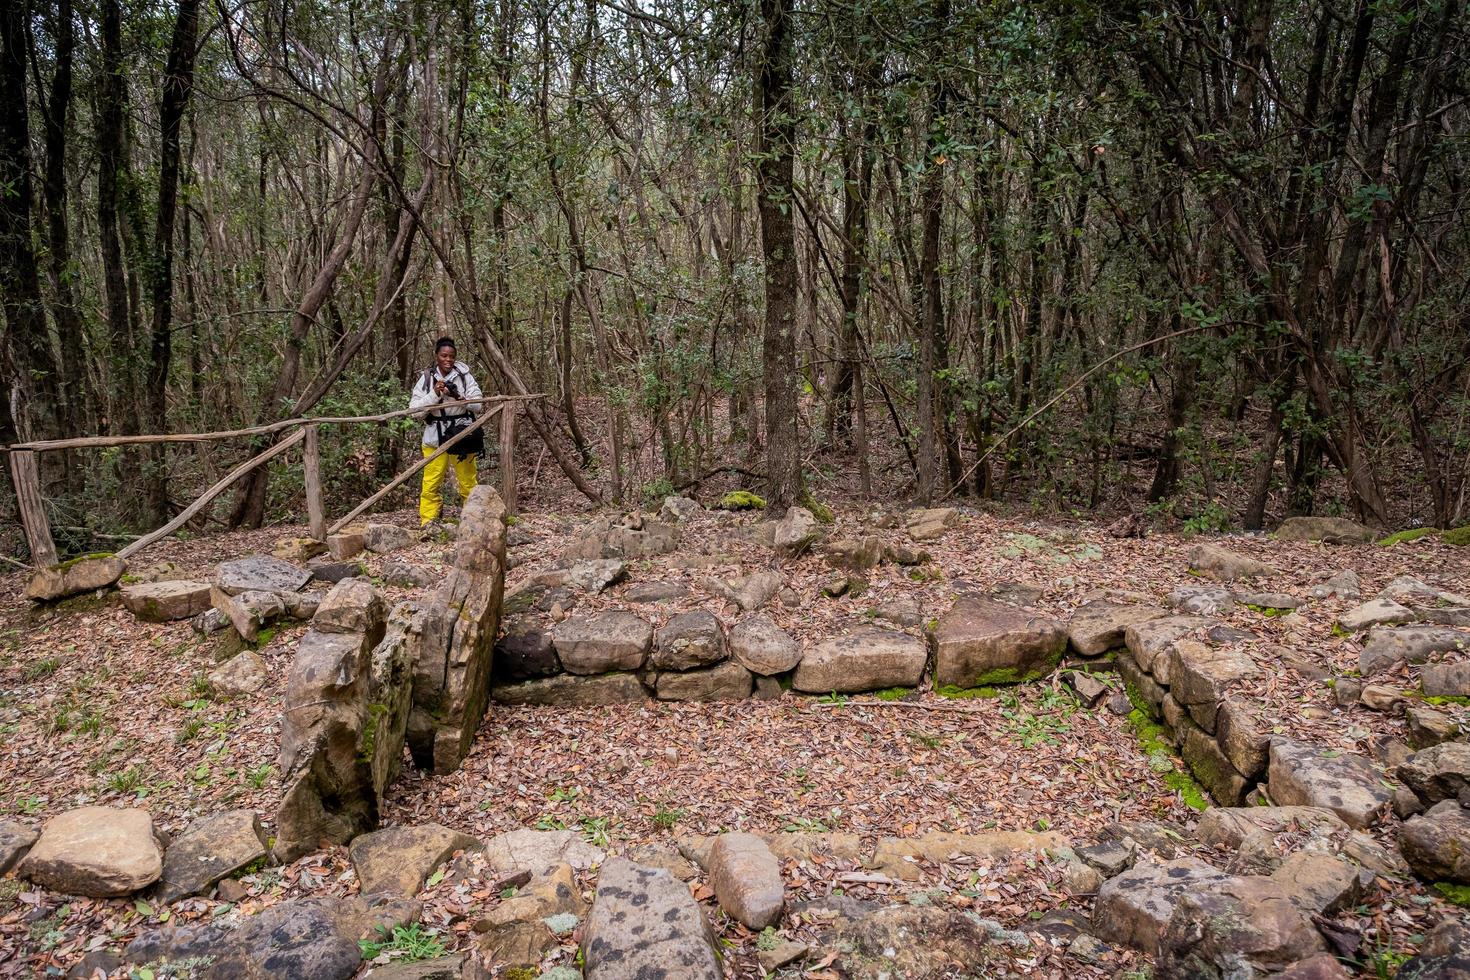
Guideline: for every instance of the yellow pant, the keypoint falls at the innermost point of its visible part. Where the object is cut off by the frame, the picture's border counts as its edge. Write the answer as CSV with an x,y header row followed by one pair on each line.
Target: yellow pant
x,y
430,499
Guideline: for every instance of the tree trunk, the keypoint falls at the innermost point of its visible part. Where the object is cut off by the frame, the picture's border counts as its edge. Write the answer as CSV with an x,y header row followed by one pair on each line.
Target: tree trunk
x,y
775,149
111,173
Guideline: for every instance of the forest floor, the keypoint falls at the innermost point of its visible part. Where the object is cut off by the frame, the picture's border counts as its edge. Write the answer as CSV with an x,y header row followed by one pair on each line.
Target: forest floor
x,y
97,707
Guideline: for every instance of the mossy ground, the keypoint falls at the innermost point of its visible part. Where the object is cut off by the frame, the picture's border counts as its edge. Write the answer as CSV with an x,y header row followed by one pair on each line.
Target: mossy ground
x,y
741,500
1151,737
893,693
952,691
1399,537
1454,894
1459,537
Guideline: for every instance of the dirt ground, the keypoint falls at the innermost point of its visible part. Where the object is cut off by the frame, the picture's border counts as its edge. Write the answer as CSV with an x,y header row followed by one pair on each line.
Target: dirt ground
x,y
96,707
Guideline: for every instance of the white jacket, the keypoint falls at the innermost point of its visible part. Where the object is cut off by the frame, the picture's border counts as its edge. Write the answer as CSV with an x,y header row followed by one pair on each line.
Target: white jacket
x,y
424,396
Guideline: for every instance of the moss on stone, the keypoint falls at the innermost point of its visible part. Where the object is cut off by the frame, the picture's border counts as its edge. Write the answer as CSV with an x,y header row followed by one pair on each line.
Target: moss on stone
x,y
1268,611
71,563
1459,699
264,637
741,500
1398,537
521,973
1151,738
1459,537
954,691
893,693
369,742
819,510
1454,894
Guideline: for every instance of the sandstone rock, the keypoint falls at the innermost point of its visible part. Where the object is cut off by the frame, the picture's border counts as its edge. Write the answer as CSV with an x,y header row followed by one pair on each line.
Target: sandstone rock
x,y
1110,858
1437,844
383,538
899,857
460,966
726,682
539,850
1202,600
1088,688
1343,584
1307,775
1413,592
679,509
297,549
796,532
245,673
1228,827
259,573
1199,674
159,602
1329,530
626,537
644,592
1152,640
746,880
603,642
906,556
1100,626
406,575
248,611
1244,737
572,691
1347,691
691,639
1319,882
750,592
525,650
398,860
858,555
1211,768
451,675
1374,612
350,541
1134,908
645,923
209,849
209,622
916,943
1445,954
1428,727
1144,687
930,524
808,845
784,953
518,932
333,572
867,659
1441,772
1381,697
981,641
1446,680
901,611
352,606
74,577
347,699
95,851
1232,925
1223,565
660,854
16,839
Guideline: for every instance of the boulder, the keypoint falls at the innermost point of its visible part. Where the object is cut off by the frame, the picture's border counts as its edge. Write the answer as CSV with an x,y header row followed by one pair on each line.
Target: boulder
x,y
645,592
1388,647
518,932
16,840
900,611
627,537
726,682
333,572
1445,954
1234,925
1328,530
596,575
921,942
1412,592
1308,775
1134,909
603,642
259,573
572,691
796,532
461,619
644,923
982,641
406,575
931,523
297,549
1152,641
762,647
855,555
525,650
1319,882
1437,844
688,640
677,510
1100,626
749,592
1446,680
249,611
352,606
1374,612
1213,561
1428,727
1202,600
1209,765
209,849
536,851
244,673
1441,772
1201,674
86,574
398,860
1343,584
350,541
160,602
867,659
95,851
347,699
1244,736
383,538
746,879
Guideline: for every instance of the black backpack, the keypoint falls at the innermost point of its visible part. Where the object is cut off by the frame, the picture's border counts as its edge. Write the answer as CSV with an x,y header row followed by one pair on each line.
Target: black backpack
x,y
452,425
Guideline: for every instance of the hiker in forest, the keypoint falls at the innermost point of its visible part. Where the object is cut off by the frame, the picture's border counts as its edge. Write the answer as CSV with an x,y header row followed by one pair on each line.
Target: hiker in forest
x,y
447,380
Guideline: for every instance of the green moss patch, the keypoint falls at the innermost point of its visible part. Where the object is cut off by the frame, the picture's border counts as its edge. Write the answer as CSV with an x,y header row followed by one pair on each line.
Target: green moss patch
x,y
1399,537
71,563
1268,611
819,510
953,691
741,500
1459,699
1151,739
893,693
1454,894
1459,537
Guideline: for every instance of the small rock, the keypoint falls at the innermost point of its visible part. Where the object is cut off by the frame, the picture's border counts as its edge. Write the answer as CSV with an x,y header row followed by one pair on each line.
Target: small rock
x,y
1087,687
209,622
1381,697
1445,954
1347,691
726,682
398,860
95,851
333,572
347,542
1202,600
1109,857
1134,908
244,673
679,509
1406,803
525,650
902,611
248,612
297,549
746,879
536,851
750,592
1223,565
15,840
930,524
796,532
644,592
1441,772
1344,585
1328,530
572,691
352,606
1437,844
1374,612
1100,626
784,953
1428,727
859,555
1446,680
597,575
914,941
209,849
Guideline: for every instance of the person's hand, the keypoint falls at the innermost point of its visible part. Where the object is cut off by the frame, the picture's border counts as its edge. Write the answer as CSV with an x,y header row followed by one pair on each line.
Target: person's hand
x,y
439,388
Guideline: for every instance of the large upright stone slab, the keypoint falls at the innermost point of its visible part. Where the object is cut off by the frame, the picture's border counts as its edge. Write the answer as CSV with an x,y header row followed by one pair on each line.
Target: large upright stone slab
x,y
259,573
1302,774
644,924
95,851
341,731
982,641
868,659
451,681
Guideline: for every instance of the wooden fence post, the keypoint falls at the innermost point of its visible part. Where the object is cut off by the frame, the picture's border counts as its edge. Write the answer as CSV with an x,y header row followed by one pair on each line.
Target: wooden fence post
x,y
316,514
32,508
508,457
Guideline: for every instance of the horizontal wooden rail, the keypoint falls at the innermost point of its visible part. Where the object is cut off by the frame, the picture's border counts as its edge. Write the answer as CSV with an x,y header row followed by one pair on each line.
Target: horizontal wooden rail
x,y
98,442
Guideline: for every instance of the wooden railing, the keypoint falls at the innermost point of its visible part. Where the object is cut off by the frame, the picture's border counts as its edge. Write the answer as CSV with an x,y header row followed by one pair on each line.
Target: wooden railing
x,y
24,471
